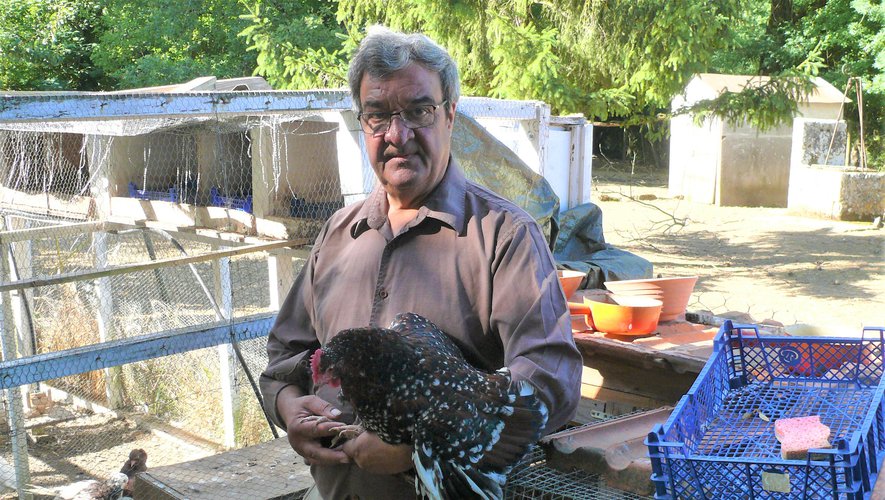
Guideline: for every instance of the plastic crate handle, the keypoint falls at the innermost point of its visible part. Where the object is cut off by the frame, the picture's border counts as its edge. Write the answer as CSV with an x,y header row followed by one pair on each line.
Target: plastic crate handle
x,y
733,335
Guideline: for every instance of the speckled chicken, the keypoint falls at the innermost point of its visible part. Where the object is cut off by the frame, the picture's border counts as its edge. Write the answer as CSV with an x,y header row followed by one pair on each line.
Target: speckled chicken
x,y
410,384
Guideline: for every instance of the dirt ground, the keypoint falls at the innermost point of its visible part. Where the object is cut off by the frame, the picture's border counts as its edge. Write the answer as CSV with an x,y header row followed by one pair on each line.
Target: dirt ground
x,y
764,262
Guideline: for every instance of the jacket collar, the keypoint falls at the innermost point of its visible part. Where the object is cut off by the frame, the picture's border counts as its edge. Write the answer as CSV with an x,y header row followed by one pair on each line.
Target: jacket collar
x,y
445,203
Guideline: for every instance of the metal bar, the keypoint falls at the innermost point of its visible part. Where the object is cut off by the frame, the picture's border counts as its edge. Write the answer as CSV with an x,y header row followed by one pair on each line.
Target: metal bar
x,y
145,266
57,364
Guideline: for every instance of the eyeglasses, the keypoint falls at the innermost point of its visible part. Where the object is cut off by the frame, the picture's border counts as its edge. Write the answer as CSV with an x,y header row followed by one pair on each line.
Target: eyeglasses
x,y
377,123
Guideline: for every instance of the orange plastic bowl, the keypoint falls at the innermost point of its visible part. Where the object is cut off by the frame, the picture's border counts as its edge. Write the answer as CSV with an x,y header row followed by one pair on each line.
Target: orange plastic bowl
x,y
569,281
673,292
625,315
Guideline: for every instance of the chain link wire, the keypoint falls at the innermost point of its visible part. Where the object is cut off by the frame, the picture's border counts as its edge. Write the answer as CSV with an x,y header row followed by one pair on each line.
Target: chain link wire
x,y
131,229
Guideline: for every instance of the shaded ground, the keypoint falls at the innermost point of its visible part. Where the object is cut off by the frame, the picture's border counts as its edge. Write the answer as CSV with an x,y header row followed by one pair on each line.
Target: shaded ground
x,y
764,262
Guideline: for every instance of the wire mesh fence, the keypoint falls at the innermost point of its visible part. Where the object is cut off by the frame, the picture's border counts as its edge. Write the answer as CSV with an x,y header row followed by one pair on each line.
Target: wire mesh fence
x,y
146,240
534,480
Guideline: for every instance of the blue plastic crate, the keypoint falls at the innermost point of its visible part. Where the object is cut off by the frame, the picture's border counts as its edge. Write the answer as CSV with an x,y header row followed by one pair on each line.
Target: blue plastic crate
x,y
313,209
170,194
719,441
219,200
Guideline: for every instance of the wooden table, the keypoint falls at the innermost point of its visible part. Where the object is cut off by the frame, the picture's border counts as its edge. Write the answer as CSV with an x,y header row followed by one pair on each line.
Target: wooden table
x,y
267,471
624,374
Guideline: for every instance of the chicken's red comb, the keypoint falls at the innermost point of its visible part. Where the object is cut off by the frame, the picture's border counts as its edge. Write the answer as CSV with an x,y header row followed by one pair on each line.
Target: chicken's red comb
x,y
315,365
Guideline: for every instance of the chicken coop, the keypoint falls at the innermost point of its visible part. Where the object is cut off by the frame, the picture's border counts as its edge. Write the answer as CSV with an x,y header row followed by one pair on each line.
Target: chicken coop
x,y
147,239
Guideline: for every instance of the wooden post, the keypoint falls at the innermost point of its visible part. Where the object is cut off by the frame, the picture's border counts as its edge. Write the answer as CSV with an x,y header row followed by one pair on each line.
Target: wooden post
x,y
580,165
281,271
355,174
15,409
226,354
105,320
265,180
20,257
280,276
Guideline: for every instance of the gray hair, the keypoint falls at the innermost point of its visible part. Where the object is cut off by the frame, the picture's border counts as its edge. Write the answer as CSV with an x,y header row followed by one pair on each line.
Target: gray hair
x,y
384,51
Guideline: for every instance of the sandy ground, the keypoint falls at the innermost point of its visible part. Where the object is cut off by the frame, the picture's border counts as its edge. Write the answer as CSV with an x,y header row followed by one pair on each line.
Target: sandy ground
x,y
764,262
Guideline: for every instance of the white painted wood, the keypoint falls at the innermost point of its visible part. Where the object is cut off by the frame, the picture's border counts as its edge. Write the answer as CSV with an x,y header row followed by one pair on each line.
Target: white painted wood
x,y
355,174
587,165
226,355
559,164
105,319
145,266
543,137
14,408
20,262
281,275
44,232
98,152
68,106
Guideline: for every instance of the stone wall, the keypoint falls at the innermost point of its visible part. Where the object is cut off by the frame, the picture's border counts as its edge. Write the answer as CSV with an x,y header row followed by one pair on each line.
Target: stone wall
x,y
820,182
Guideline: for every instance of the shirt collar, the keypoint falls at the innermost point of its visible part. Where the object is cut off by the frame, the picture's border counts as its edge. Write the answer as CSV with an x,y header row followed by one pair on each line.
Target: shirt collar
x,y
445,203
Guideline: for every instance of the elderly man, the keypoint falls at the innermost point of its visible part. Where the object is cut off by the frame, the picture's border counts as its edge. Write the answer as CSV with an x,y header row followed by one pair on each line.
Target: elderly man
x,y
426,241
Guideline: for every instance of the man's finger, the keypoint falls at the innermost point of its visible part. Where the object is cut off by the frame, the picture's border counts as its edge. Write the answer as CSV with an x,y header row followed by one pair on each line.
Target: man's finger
x,y
316,427
317,455
319,406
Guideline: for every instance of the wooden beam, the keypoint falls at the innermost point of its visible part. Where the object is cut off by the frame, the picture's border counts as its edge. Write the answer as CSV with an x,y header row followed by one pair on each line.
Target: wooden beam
x,y
194,234
59,231
486,107
24,107
146,266
32,369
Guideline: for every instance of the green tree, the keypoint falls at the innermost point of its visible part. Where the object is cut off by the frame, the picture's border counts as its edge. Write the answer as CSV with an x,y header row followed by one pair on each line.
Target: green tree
x,y
47,44
160,42
834,39
299,45
850,35
602,58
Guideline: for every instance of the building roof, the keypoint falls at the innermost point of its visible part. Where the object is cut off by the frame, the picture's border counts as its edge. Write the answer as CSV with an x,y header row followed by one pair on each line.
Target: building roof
x,y
823,92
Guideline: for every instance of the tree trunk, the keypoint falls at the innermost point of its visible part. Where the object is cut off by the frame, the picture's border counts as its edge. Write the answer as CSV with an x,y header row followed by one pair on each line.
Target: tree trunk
x,y
781,15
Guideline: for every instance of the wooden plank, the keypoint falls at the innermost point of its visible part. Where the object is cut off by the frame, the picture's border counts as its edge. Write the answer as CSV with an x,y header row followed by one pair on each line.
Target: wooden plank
x,y
59,231
679,362
613,374
631,401
266,471
76,106
199,235
48,203
146,266
21,371
486,107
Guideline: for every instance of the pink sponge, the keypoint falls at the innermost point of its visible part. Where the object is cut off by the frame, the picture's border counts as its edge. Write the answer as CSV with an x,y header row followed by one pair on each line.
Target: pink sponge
x,y
800,434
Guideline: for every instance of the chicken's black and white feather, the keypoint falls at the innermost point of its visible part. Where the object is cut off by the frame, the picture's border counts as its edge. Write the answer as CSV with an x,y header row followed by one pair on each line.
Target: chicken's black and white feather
x,y
410,384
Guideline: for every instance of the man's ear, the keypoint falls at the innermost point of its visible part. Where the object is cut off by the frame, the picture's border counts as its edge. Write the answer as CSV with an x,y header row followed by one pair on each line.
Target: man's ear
x,y
451,110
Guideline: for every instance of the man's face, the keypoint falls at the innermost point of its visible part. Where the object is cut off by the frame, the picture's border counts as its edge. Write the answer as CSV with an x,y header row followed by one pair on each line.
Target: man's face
x,y
408,162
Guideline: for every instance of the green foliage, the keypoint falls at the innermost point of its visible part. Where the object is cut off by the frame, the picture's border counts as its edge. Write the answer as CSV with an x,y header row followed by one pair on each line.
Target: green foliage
x,y
46,44
161,42
762,104
299,44
586,57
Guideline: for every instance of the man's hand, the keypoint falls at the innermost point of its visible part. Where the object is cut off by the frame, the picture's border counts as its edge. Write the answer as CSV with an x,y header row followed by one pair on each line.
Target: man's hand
x,y
372,454
308,419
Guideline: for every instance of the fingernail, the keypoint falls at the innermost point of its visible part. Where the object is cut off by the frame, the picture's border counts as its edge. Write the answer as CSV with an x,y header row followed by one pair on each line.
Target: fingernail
x,y
335,412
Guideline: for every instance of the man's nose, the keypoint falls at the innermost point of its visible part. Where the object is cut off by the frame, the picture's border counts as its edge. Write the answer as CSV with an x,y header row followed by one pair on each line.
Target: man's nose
x,y
397,132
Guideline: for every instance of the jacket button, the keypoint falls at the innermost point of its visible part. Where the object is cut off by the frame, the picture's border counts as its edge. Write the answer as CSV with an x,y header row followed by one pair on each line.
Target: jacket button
x,y
383,294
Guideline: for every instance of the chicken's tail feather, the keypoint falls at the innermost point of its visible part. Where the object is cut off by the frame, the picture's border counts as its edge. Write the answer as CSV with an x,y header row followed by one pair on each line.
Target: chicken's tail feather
x,y
449,481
